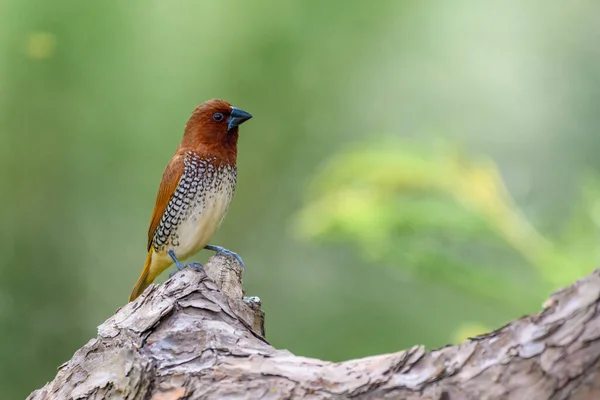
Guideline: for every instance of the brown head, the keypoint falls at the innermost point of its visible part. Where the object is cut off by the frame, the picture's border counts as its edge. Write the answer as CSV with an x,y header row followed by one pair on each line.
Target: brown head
x,y
212,130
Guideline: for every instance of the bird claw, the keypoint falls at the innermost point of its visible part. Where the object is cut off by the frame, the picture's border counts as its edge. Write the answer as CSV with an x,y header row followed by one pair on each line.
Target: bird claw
x,y
194,265
223,251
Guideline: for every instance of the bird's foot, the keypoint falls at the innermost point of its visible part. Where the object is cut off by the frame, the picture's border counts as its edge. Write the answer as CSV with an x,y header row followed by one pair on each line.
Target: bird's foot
x,y
221,250
195,265
178,263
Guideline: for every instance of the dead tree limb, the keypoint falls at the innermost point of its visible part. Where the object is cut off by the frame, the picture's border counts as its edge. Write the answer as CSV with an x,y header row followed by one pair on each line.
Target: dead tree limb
x,y
194,338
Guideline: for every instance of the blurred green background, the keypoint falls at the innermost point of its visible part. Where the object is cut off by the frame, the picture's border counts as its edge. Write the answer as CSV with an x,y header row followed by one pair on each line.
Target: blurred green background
x,y
416,172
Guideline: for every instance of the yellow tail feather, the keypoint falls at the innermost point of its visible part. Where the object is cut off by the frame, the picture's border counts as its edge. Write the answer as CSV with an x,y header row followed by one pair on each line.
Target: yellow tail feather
x,y
144,280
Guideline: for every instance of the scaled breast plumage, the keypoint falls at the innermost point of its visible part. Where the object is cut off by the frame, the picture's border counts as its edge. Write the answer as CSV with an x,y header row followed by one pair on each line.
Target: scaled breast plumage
x,y
204,190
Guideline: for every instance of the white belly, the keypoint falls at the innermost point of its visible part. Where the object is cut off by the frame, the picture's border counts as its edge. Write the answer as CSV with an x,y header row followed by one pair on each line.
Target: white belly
x,y
204,218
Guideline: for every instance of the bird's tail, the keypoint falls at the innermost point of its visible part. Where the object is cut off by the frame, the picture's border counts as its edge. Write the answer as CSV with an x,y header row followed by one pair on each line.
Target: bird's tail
x,y
144,280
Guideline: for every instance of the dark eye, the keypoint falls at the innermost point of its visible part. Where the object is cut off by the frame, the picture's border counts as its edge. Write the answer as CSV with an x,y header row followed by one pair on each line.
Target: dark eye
x,y
218,117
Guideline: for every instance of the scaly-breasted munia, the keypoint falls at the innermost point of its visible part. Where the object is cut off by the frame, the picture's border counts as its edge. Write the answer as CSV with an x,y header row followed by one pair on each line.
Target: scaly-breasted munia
x,y
195,191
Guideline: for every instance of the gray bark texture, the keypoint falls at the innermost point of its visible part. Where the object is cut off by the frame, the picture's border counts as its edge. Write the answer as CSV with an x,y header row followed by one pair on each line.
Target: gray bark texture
x,y
195,338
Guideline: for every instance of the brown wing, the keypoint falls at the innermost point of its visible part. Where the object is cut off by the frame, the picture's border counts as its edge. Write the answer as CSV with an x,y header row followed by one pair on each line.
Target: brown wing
x,y
169,183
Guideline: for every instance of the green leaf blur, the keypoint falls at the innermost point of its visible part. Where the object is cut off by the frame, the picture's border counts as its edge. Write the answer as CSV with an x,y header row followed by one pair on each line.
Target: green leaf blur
x,y
445,219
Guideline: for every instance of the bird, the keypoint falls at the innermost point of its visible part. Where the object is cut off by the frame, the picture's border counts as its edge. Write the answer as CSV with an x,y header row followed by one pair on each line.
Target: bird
x,y
195,192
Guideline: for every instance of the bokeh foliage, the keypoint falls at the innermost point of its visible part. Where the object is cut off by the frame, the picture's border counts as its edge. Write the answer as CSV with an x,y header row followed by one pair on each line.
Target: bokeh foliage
x,y
445,218
94,97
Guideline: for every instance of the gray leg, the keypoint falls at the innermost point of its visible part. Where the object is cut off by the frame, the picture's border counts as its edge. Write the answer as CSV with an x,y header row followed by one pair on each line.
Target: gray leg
x,y
221,250
180,266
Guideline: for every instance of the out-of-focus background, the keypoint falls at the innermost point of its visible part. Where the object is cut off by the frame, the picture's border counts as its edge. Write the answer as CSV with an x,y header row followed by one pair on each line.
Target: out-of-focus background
x,y
416,172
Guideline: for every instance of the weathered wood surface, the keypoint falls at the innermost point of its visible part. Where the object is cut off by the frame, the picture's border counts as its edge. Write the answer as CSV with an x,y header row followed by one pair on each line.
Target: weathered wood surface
x,y
194,338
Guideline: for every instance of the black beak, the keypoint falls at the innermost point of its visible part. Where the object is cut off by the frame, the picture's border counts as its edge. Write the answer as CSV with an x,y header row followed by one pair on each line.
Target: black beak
x,y
237,117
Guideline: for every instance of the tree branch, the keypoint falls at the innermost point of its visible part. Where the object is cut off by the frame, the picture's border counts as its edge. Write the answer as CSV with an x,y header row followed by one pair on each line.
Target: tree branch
x,y
194,337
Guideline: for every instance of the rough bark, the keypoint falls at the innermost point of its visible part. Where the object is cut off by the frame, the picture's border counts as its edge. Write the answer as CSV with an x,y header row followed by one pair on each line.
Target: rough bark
x,y
193,337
